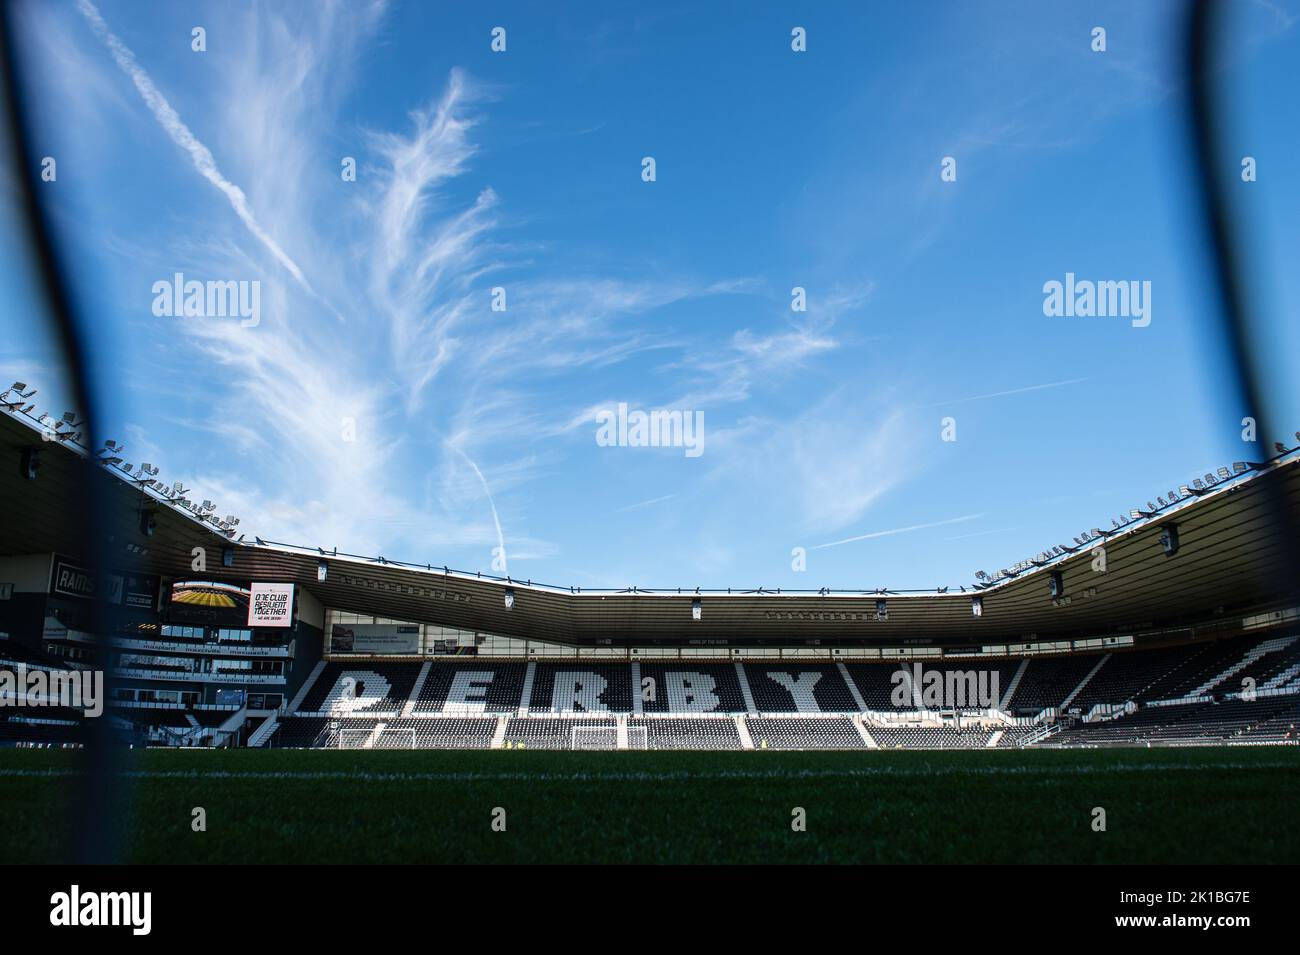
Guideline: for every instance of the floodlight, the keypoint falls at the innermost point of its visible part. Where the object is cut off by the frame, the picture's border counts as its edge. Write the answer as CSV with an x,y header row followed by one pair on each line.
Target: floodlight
x,y
1240,467
1224,473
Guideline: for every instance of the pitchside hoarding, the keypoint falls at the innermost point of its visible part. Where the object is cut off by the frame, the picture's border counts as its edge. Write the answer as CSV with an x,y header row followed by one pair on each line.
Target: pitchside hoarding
x,y
270,605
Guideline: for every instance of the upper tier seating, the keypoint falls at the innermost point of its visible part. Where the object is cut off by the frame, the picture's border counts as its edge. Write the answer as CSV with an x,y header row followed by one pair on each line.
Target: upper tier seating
x,y
582,686
472,686
361,688
686,687
1047,681
787,686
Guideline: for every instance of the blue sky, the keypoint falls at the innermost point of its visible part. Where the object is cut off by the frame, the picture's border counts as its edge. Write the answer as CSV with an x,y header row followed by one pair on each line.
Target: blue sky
x,y
775,169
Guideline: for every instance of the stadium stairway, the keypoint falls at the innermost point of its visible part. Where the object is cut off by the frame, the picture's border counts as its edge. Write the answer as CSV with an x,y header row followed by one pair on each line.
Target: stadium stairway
x,y
638,706
499,734
745,692
263,733
1004,704
235,721
861,727
1082,683
742,730
408,710
303,690
527,694
852,687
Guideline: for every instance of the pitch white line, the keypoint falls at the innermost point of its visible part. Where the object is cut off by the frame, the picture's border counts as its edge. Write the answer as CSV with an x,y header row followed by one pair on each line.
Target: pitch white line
x,y
679,775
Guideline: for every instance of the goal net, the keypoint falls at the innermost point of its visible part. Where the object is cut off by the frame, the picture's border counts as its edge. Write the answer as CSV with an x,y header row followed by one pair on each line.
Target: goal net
x,y
387,737
593,737
395,738
354,739
638,737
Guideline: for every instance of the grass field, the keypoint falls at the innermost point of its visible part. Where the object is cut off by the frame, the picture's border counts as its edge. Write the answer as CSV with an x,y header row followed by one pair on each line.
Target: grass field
x,y
1188,806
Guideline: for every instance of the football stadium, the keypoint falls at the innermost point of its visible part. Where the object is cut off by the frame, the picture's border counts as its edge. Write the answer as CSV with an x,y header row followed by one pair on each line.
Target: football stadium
x,y
1175,630
591,433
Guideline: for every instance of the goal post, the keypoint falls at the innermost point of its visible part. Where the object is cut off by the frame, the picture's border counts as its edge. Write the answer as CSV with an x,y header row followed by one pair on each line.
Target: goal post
x,y
381,737
638,737
593,737
354,739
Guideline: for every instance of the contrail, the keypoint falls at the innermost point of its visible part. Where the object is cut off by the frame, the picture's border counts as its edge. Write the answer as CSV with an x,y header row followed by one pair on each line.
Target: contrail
x,y
180,133
653,500
501,541
899,530
1012,391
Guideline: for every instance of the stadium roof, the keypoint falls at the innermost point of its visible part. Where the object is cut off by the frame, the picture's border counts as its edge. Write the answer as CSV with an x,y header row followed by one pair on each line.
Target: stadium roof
x,y
1230,561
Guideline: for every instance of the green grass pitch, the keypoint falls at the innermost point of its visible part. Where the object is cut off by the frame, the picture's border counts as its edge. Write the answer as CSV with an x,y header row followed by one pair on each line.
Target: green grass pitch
x,y
1223,805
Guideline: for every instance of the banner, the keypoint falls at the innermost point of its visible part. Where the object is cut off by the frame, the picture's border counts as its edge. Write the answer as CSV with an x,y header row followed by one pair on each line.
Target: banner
x,y
270,605
375,638
130,590
141,591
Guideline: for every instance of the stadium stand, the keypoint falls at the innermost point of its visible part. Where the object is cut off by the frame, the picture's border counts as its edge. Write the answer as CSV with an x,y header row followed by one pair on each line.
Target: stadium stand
x,y
930,737
688,733
373,688
552,733
786,687
687,687
775,732
472,687
1178,695
437,733
1270,720
582,687
879,684
1047,682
